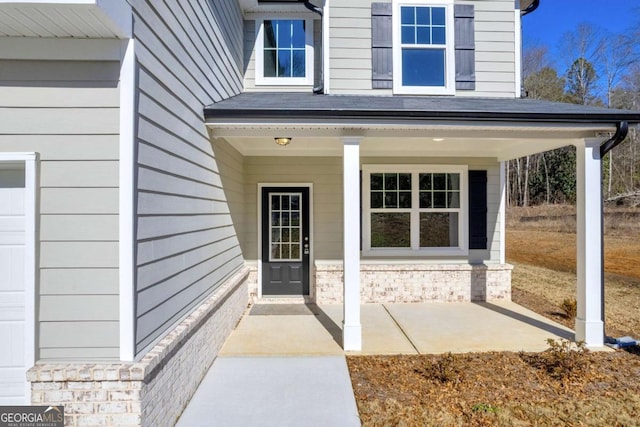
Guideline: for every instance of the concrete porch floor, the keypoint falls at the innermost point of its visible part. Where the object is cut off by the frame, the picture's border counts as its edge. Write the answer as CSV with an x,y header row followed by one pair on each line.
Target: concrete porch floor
x,y
296,329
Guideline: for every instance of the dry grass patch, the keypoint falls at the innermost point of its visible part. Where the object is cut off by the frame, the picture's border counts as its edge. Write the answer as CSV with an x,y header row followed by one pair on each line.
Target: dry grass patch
x,y
618,221
544,291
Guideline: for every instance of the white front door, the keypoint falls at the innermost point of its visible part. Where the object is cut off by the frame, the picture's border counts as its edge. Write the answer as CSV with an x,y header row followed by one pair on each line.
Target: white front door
x,y
13,390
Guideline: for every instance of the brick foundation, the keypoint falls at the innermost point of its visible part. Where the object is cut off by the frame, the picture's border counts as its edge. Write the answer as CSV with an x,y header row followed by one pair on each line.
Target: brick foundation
x,y
155,390
403,283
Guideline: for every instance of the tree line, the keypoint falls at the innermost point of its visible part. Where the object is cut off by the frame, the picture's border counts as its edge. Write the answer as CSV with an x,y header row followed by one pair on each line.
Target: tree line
x,y
600,69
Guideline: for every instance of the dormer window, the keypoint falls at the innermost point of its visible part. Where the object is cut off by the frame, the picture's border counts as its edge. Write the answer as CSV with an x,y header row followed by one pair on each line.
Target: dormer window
x,y
423,47
284,52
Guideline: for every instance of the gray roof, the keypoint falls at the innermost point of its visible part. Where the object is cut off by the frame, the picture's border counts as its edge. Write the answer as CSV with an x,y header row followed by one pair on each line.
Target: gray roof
x,y
299,106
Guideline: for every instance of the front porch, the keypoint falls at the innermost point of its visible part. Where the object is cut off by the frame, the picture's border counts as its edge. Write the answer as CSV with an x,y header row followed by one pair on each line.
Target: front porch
x,y
398,181
427,328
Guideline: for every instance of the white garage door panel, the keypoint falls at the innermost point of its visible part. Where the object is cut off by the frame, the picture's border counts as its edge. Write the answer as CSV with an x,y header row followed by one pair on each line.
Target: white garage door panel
x,y
11,224
11,308
11,270
12,293
12,201
12,337
12,238
12,386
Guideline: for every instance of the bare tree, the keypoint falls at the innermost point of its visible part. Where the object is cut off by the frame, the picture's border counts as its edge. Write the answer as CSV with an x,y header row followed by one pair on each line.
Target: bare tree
x,y
583,47
615,57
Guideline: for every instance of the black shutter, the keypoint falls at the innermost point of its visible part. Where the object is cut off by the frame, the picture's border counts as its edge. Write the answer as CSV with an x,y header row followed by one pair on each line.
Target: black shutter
x,y
478,209
381,46
465,47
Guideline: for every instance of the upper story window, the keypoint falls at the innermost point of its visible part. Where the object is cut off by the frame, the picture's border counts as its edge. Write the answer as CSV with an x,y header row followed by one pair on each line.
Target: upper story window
x,y
284,52
423,47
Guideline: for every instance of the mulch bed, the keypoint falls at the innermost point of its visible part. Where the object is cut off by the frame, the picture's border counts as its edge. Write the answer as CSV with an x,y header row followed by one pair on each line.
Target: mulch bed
x,y
498,388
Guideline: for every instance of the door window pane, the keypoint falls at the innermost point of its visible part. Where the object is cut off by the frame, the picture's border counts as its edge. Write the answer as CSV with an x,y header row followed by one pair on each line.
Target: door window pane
x,y
295,251
295,202
275,251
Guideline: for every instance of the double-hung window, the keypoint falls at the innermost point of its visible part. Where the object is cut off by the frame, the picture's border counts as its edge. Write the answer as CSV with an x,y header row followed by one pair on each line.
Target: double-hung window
x,y
413,210
284,52
423,47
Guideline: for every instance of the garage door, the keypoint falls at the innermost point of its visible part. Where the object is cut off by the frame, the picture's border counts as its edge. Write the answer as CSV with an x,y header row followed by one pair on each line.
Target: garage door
x,y
12,285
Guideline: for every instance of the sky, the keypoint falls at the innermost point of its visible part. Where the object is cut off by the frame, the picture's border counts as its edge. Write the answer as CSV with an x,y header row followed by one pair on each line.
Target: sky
x,y
553,18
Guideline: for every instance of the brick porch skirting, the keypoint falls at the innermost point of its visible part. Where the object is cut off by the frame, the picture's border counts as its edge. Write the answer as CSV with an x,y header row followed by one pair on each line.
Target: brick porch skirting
x,y
155,390
403,283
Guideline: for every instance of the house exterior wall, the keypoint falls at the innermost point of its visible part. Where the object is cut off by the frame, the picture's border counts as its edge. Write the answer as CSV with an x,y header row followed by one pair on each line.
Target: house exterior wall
x,y
325,174
189,55
67,111
350,48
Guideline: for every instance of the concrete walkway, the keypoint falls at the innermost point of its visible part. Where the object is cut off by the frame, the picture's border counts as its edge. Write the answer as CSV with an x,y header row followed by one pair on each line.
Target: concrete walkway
x,y
283,365
274,391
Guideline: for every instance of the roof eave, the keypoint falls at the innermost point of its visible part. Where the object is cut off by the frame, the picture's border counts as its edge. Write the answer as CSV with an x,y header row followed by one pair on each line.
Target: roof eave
x,y
287,116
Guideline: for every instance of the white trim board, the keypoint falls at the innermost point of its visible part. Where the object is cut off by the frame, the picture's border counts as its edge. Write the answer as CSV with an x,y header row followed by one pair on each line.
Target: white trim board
x,y
126,209
311,255
30,250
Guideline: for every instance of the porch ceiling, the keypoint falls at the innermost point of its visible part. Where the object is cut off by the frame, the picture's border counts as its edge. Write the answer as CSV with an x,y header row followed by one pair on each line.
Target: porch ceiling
x,y
308,141
401,126
65,18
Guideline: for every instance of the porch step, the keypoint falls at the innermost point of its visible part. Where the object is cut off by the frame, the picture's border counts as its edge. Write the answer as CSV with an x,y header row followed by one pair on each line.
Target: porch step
x,y
283,300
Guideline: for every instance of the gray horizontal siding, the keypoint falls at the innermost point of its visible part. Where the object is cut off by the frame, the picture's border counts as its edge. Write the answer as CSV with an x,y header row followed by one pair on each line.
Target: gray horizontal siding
x,y
68,112
189,55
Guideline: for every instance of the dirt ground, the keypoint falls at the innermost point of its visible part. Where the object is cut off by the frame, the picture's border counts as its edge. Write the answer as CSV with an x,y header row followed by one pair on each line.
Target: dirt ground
x,y
553,388
557,251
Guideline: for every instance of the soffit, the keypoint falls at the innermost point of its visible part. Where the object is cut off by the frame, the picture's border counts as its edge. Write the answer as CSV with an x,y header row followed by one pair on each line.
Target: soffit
x,y
65,19
258,6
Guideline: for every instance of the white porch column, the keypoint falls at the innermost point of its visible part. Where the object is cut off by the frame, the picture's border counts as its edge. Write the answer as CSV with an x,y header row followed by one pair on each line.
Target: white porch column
x,y
589,321
351,327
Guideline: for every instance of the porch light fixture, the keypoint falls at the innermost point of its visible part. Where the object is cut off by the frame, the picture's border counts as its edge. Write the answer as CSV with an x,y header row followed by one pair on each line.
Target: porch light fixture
x,y
282,140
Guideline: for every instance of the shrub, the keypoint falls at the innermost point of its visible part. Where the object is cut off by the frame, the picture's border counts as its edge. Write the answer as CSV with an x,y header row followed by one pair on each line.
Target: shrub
x,y
570,307
445,369
563,360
